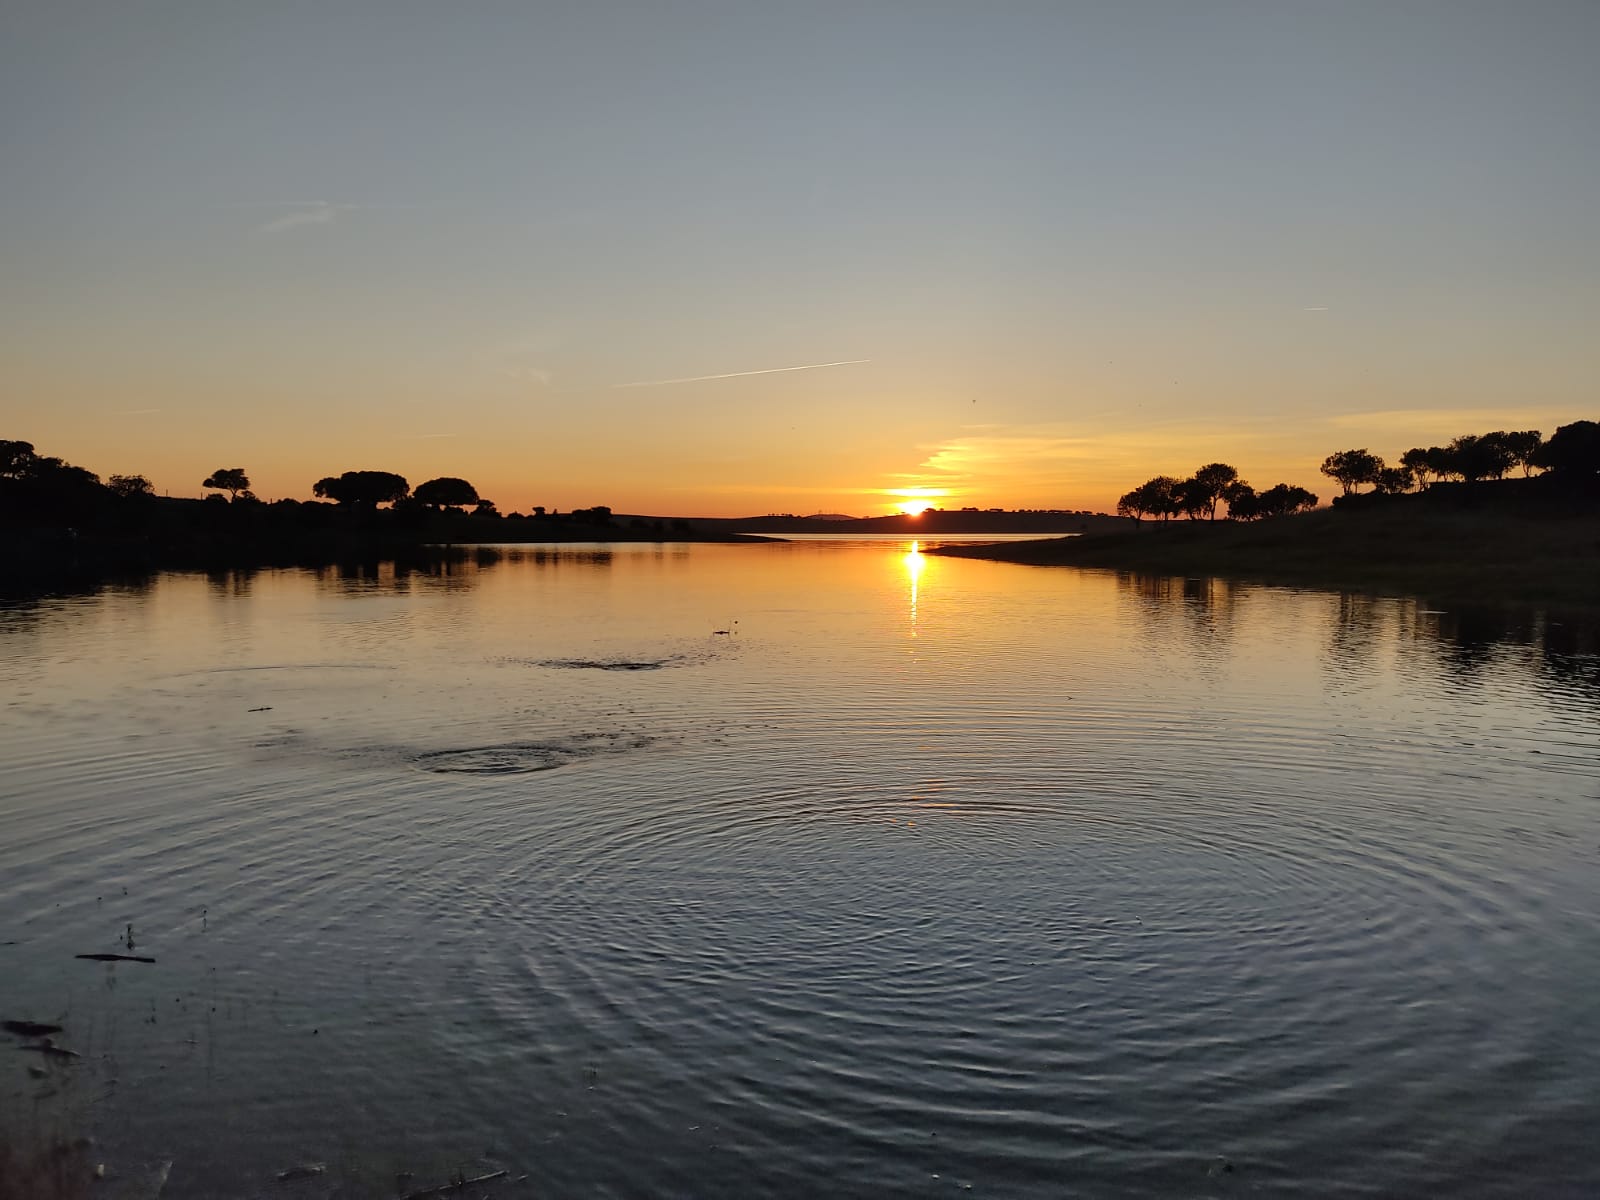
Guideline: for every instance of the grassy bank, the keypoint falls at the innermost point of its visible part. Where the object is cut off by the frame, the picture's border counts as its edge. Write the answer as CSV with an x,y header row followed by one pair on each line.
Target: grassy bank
x,y
1457,556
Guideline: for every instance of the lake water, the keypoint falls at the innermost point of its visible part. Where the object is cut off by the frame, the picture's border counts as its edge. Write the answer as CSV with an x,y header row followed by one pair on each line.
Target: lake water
x,y
816,869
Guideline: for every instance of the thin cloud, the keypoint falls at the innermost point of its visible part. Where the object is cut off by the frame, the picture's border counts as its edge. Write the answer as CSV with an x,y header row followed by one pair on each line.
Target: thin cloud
x,y
312,212
137,412
426,436
849,362
308,212
1316,308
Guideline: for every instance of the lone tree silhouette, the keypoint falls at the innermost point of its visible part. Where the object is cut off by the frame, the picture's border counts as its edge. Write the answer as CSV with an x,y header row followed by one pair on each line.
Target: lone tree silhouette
x,y
232,480
366,489
445,492
1351,468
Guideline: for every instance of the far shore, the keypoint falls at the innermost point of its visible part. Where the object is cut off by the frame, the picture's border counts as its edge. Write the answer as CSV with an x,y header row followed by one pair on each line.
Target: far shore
x,y
1459,556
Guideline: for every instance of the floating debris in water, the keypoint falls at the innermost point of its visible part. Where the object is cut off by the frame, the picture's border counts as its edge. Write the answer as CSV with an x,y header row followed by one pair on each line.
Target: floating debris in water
x,y
47,1046
521,758
29,1028
302,1171
456,1185
115,957
608,664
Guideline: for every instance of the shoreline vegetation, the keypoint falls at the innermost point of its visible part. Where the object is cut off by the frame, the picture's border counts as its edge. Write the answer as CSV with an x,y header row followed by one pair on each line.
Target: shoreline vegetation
x,y
1446,524
1456,544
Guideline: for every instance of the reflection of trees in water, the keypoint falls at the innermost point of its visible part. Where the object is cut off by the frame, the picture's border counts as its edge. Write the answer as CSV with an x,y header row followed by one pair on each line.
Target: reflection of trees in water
x,y
1468,640
26,611
545,556
1365,632
1200,611
445,568
1357,629
233,582
1471,642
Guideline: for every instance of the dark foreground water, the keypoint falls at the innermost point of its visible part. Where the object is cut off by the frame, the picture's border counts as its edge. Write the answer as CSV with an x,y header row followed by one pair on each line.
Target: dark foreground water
x,y
927,877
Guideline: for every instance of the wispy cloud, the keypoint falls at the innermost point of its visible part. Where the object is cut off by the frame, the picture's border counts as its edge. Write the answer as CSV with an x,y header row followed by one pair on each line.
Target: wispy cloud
x,y
137,412
426,436
296,214
849,362
1316,308
301,213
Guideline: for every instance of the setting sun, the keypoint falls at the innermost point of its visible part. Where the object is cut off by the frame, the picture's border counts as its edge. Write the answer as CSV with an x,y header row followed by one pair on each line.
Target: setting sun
x,y
914,501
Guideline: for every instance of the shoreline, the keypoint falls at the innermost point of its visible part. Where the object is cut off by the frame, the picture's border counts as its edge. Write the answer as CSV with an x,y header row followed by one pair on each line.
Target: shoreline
x,y
1464,556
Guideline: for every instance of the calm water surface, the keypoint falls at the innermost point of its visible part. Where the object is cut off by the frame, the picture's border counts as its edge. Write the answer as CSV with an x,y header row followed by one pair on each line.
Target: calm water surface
x,y
810,869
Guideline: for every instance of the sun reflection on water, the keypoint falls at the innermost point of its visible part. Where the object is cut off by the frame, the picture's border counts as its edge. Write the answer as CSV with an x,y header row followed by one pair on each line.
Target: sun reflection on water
x,y
915,564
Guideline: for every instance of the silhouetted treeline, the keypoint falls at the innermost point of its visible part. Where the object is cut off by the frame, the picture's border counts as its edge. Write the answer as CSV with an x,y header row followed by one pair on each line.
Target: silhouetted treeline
x,y
57,519
1570,457
1200,494
1563,469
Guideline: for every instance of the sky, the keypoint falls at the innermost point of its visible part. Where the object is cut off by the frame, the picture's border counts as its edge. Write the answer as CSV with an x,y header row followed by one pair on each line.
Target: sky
x,y
726,259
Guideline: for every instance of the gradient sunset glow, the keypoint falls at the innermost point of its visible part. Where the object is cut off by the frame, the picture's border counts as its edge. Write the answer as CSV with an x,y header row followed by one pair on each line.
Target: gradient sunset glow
x,y
856,258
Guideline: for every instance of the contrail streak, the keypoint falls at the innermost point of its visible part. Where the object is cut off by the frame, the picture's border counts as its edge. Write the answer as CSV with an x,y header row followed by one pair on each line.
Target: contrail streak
x,y
849,362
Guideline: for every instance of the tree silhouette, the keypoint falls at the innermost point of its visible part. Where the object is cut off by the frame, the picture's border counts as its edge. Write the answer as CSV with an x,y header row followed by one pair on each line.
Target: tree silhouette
x,y
16,459
1240,501
1192,498
1524,445
1154,497
1351,468
445,492
129,486
1211,482
366,489
232,480
1148,499
1420,462
1283,499
1392,480
47,491
1241,498
1573,450
1475,457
